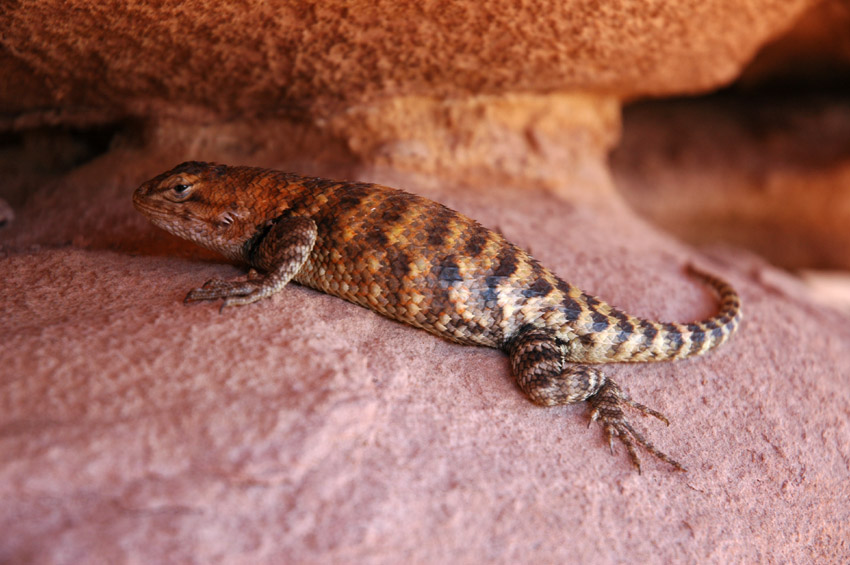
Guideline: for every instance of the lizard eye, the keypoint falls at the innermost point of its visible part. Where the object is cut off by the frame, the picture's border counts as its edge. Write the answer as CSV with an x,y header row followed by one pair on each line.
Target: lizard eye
x,y
181,191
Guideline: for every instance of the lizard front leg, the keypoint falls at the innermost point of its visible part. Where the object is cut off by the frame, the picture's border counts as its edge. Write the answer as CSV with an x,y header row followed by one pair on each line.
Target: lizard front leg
x,y
539,365
280,254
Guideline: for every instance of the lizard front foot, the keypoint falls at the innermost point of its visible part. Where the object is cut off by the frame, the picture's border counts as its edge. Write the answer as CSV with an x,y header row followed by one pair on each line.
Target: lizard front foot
x,y
234,293
607,405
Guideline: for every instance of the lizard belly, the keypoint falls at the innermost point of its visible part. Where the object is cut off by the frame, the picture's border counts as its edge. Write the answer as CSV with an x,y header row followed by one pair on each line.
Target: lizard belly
x,y
413,289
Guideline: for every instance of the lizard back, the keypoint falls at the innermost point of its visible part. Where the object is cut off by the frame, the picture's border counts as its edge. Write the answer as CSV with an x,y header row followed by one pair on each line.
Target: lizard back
x,y
419,262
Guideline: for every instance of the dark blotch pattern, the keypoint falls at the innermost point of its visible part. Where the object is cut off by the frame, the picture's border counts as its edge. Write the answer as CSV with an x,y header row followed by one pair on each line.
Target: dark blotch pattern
x,y
393,208
448,271
439,226
199,168
600,321
674,338
571,308
507,263
625,327
475,243
541,287
400,265
697,336
377,237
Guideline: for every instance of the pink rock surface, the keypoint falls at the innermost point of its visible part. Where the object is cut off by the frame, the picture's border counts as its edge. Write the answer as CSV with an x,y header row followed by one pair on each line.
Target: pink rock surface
x,y
307,429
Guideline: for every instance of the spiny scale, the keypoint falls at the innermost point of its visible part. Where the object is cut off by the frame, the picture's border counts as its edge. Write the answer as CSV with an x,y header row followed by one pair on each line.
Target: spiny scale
x,y
418,262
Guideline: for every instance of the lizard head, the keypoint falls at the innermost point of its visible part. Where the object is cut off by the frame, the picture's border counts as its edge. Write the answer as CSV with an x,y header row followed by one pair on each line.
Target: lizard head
x,y
193,201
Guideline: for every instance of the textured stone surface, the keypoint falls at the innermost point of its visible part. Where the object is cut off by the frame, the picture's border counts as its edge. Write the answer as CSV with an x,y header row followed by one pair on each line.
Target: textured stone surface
x,y
239,57
133,428
558,141
306,429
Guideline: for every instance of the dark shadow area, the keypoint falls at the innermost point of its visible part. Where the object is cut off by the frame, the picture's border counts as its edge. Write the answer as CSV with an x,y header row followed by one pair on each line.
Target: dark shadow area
x,y
763,164
31,156
767,169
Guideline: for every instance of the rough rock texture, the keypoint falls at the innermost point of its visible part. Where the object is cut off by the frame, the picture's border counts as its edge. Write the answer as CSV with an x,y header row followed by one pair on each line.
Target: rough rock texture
x,y
238,57
306,429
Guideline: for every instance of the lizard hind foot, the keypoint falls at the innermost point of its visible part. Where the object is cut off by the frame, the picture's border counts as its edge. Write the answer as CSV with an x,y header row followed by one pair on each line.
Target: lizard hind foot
x,y
607,407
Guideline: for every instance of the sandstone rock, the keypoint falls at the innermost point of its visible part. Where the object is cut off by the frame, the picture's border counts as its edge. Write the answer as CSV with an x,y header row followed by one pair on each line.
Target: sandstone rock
x,y
306,429
234,59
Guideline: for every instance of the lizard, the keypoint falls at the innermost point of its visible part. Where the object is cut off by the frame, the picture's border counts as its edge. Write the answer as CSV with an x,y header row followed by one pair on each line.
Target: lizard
x,y
418,262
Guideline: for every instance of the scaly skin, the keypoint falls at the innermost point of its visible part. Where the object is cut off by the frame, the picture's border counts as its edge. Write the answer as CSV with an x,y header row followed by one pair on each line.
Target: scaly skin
x,y
418,262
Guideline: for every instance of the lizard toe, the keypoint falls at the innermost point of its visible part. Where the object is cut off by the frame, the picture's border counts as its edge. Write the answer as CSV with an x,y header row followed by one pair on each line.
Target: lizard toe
x,y
607,408
216,288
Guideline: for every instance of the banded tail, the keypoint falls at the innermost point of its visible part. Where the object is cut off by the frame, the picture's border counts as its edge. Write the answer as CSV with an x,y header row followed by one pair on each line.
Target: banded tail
x,y
632,339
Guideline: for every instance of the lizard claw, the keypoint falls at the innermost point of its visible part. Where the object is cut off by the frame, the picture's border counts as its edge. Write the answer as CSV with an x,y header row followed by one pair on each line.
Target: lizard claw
x,y
607,407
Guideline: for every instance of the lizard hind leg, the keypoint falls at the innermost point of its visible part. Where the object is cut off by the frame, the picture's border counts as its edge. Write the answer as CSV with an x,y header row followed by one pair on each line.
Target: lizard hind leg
x,y
538,361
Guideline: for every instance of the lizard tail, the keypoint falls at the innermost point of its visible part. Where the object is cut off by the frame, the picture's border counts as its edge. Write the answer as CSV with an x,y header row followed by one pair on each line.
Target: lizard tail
x,y
619,337
668,341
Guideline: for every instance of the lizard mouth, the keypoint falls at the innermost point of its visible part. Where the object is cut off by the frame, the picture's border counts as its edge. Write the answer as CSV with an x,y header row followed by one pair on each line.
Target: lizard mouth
x,y
155,214
144,207
138,199
144,203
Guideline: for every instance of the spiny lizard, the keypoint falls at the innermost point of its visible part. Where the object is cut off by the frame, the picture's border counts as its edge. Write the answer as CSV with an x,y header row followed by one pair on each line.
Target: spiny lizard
x,y
418,262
